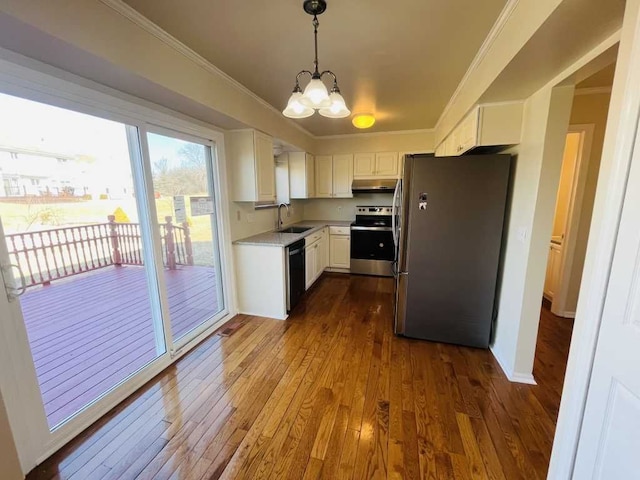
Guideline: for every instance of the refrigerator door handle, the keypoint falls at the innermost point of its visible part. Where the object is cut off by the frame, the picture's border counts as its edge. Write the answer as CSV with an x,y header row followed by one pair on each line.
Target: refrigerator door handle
x,y
394,212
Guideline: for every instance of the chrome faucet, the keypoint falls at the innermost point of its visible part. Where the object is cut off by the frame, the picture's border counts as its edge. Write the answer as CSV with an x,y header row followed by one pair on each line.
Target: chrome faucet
x,y
280,214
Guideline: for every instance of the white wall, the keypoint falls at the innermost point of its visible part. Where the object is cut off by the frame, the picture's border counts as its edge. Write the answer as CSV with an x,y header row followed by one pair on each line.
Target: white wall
x,y
535,178
9,462
252,221
414,141
587,109
342,208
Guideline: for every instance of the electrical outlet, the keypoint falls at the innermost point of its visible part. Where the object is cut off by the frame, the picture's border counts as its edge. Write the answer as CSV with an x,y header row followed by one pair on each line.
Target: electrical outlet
x,y
339,207
250,218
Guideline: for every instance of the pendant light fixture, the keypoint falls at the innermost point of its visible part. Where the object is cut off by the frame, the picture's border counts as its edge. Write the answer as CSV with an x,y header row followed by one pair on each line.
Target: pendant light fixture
x,y
316,97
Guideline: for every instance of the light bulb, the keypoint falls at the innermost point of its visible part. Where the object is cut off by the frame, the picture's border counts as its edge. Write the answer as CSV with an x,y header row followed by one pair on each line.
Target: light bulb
x,y
295,109
363,120
315,95
337,109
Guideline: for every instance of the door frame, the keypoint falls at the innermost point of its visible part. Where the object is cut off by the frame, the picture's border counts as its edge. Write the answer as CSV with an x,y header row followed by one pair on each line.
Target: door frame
x,y
622,127
578,181
174,345
33,80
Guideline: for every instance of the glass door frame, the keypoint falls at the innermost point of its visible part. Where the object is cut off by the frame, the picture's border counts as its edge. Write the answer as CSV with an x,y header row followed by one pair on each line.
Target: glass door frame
x,y
214,184
18,380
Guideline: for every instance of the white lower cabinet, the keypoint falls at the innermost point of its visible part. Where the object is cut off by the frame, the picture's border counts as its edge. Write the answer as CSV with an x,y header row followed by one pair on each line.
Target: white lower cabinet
x,y
340,255
315,257
310,255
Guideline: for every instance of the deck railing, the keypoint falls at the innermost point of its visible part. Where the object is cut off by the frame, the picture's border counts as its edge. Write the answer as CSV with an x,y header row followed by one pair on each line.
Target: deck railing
x,y
49,255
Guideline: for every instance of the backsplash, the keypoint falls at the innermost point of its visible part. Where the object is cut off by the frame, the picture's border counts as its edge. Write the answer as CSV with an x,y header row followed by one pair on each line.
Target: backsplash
x,y
342,208
247,221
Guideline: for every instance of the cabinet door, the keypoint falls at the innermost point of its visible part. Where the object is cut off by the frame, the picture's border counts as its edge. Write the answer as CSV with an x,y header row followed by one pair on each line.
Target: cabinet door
x,y
468,132
325,250
552,279
364,164
339,251
324,176
342,175
265,168
386,164
310,266
319,247
556,254
310,170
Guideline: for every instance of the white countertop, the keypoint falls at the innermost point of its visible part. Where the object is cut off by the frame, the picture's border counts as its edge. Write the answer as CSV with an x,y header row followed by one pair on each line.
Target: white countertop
x,y
277,239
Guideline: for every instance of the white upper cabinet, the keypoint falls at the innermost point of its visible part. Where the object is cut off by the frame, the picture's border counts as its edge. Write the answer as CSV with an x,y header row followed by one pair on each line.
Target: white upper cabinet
x,y
252,166
372,165
485,126
324,176
364,164
334,175
342,176
302,175
386,164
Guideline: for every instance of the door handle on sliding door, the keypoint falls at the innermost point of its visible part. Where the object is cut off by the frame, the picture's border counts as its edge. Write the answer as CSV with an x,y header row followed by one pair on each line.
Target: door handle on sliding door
x,y
13,292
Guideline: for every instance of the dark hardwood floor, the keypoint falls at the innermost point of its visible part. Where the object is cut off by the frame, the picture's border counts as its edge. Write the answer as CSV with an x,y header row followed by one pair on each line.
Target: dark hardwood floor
x,y
330,393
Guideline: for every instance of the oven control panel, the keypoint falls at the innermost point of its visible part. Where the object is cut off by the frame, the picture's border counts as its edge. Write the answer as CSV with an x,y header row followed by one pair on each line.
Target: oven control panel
x,y
374,210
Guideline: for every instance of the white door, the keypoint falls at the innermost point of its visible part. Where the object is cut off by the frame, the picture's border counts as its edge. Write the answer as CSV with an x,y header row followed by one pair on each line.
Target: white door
x,y
310,266
340,251
364,164
342,175
324,176
265,168
387,164
609,443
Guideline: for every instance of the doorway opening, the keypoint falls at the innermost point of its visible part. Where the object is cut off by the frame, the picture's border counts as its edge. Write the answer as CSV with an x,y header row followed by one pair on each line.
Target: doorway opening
x,y
571,224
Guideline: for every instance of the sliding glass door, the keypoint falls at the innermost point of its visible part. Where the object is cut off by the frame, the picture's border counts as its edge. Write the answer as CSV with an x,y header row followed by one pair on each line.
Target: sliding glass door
x,y
109,257
73,241
185,199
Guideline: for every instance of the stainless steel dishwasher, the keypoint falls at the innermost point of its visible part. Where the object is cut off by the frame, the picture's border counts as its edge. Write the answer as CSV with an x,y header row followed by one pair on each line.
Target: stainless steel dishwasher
x,y
295,273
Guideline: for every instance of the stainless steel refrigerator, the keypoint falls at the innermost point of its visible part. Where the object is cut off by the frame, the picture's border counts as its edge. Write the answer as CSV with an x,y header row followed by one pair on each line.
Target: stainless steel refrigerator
x,y
448,221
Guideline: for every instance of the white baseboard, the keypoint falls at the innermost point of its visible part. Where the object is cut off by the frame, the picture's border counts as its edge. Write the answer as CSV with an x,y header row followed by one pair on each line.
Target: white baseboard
x,y
516,377
522,378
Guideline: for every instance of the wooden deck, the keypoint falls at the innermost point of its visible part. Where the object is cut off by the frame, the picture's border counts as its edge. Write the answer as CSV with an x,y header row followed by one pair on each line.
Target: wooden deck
x,y
91,331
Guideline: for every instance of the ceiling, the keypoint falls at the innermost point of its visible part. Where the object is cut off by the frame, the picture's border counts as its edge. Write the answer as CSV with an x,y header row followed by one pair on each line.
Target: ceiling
x,y
602,78
401,60
575,28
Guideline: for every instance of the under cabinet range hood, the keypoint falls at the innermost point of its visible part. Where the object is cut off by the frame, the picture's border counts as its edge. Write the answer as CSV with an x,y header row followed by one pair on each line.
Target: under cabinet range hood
x,y
387,185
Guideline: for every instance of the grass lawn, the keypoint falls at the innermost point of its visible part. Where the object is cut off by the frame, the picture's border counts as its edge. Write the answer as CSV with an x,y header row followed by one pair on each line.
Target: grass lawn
x,y
21,217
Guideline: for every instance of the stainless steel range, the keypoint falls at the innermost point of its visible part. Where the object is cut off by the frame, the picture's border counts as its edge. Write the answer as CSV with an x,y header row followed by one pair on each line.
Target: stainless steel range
x,y
372,246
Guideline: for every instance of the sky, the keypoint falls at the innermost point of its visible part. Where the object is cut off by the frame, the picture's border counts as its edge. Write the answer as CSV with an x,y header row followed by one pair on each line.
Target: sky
x,y
29,124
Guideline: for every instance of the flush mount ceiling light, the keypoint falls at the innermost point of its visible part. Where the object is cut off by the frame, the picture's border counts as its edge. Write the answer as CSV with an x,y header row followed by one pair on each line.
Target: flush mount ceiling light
x,y
363,120
316,97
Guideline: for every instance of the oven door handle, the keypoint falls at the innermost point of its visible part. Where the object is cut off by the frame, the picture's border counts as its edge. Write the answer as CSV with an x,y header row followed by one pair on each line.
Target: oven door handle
x,y
372,229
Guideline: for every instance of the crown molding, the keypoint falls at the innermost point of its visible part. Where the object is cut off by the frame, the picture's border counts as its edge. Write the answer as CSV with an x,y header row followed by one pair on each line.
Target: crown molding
x,y
593,90
372,134
490,39
148,26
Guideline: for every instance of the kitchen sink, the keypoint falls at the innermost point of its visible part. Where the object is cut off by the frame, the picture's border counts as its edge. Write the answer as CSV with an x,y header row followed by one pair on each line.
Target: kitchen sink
x,y
295,229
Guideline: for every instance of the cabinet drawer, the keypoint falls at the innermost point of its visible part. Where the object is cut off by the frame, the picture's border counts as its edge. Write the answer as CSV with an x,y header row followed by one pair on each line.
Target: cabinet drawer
x,y
339,230
314,237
